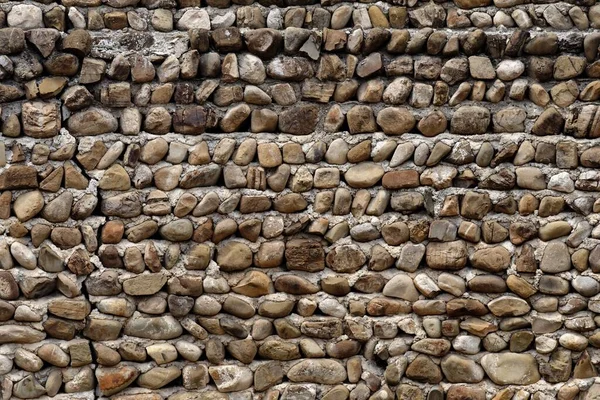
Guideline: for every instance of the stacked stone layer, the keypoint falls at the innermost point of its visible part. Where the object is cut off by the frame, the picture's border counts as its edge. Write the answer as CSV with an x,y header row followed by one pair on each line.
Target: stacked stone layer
x,y
287,199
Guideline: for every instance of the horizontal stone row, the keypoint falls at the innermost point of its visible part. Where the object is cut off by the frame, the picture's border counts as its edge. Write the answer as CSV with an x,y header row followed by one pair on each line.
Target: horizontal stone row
x,y
95,155
178,4
419,369
294,200
266,44
162,19
232,378
233,255
395,91
40,120
341,201
362,175
494,259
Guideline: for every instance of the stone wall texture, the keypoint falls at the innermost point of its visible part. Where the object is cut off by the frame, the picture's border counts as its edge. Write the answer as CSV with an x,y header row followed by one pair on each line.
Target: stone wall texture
x,y
287,199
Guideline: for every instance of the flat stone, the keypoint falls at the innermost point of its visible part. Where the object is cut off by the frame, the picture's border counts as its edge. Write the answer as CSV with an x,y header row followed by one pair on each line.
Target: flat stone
x,y
446,255
144,284
470,120
511,368
93,121
324,371
156,328
507,306
364,175
20,334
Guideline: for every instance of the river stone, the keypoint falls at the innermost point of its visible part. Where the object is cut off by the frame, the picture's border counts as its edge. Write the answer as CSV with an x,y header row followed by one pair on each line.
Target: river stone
x,y
328,372
144,284
508,306
126,205
556,258
28,388
395,121
446,255
470,120
364,175
157,328
9,290
20,334
401,287
511,368
234,256
231,378
267,375
58,209
28,205
459,369
23,255
158,377
93,121
178,230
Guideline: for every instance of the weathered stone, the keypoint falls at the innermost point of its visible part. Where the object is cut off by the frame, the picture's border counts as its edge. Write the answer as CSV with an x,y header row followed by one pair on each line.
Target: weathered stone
x,y
511,368
40,120
470,120
446,255
317,371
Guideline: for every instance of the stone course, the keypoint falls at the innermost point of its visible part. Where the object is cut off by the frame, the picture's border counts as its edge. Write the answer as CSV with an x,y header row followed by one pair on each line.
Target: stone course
x,y
287,199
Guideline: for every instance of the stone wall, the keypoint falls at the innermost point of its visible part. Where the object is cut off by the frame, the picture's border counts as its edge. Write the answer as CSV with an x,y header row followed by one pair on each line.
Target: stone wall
x,y
229,200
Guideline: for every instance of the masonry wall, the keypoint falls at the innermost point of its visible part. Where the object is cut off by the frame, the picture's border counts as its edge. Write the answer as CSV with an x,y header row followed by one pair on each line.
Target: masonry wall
x,y
290,200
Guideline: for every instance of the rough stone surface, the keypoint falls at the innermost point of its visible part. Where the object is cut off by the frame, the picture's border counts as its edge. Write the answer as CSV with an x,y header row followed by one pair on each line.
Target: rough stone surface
x,y
300,199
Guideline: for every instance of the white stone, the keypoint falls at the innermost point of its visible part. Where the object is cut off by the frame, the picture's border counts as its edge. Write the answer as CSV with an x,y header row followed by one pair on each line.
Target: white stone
x,y
25,314
561,182
25,16
481,19
503,19
360,17
6,364
23,255
231,378
162,353
188,350
545,344
194,19
251,68
223,21
215,285
467,344
509,70
333,308
131,121
275,19
77,18
522,19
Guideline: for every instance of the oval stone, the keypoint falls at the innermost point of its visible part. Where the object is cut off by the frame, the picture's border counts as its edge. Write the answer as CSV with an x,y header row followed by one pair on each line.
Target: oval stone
x,y
364,175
